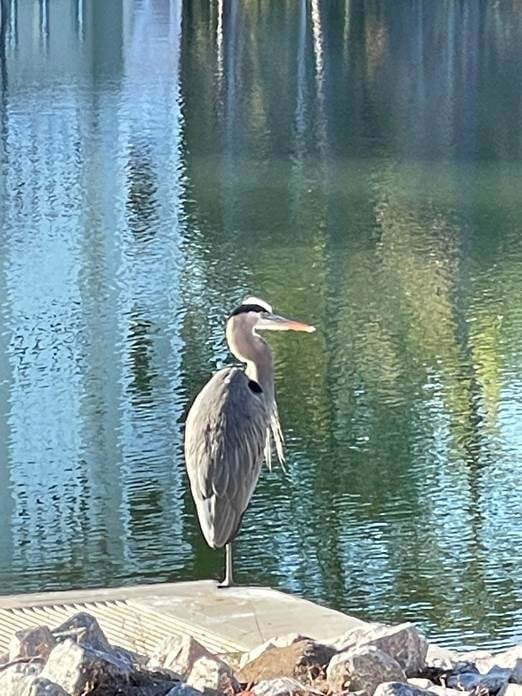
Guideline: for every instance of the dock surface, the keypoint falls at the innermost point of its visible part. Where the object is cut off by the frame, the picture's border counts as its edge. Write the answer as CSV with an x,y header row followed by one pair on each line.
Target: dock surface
x,y
230,620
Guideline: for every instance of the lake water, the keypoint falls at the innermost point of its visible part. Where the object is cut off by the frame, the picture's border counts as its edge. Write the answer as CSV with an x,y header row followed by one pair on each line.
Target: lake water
x,y
358,165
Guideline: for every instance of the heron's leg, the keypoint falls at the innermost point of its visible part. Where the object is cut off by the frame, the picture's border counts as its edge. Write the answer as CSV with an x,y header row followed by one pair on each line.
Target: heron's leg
x,y
229,575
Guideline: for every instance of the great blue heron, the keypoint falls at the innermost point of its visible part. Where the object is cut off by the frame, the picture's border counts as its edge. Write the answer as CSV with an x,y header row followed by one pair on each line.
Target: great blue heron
x,y
231,424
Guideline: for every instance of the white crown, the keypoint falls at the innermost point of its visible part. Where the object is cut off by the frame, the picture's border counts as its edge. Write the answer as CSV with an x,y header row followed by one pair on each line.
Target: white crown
x,y
257,301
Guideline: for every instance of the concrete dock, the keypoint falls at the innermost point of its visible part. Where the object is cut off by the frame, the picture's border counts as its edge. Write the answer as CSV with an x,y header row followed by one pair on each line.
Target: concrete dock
x,y
227,621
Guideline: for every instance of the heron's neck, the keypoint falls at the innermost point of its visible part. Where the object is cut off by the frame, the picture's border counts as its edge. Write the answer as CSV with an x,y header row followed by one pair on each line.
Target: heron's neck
x,y
251,349
259,367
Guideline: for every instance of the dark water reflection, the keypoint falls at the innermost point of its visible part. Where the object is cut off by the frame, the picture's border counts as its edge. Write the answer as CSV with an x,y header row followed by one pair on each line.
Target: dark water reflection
x,y
356,163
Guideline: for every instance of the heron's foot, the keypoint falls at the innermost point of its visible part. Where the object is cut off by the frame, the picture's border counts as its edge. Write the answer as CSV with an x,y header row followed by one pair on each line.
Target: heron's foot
x,y
227,582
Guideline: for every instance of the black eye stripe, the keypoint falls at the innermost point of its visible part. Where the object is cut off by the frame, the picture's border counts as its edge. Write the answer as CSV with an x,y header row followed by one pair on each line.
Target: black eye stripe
x,y
242,309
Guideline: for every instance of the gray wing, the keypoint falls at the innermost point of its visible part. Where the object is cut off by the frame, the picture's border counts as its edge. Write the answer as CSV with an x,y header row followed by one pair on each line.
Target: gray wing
x,y
225,436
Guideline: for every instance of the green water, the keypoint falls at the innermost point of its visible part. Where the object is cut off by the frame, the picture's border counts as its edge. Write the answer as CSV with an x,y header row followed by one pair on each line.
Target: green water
x,y
358,165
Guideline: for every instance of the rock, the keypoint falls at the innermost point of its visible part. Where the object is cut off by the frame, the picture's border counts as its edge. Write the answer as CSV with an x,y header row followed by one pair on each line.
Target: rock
x,y
496,679
278,642
508,659
403,642
83,629
475,657
516,674
29,667
443,691
440,658
511,690
421,683
32,642
16,683
400,689
183,690
178,655
12,681
279,687
75,667
465,679
362,668
43,687
137,660
305,661
213,676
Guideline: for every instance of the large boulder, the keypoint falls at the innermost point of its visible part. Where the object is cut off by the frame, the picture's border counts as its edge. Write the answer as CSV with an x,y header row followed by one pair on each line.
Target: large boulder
x,y
77,667
212,676
276,642
178,654
403,642
304,660
508,659
362,669
84,629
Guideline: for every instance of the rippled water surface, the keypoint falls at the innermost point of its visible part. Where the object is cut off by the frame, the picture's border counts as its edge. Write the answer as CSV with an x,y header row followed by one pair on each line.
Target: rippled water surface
x,y
358,164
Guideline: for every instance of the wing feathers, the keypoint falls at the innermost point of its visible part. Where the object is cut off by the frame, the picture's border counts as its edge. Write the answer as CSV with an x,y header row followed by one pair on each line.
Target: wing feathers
x,y
224,442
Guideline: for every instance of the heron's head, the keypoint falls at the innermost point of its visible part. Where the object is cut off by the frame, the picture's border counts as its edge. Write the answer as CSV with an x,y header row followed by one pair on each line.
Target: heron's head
x,y
254,315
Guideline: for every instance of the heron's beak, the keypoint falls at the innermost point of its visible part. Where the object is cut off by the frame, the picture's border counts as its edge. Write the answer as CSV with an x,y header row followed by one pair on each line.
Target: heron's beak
x,y
273,322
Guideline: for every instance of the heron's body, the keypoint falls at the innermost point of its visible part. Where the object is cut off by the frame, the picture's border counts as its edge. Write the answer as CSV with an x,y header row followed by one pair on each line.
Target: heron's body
x,y
230,424
226,435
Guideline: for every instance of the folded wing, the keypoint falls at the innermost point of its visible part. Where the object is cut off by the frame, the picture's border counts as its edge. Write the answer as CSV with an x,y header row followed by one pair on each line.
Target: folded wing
x,y
225,438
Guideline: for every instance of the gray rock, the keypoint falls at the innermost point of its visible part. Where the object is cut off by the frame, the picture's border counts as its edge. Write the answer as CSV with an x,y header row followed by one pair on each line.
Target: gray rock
x,y
511,690
440,658
362,668
43,687
16,683
465,679
30,667
12,681
279,687
83,629
508,659
400,689
75,667
212,676
496,679
183,690
442,690
178,654
304,661
403,642
516,673
475,657
277,642
421,683
32,642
